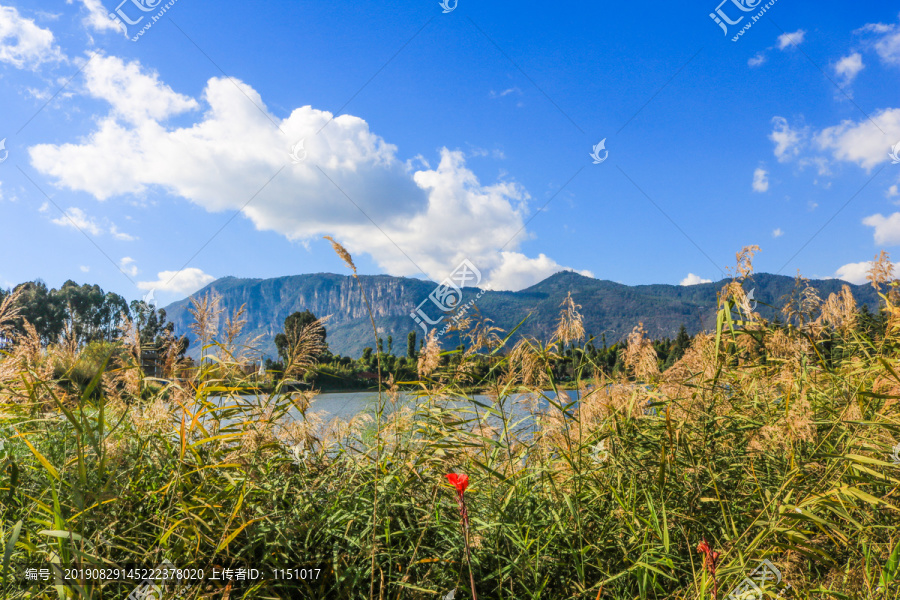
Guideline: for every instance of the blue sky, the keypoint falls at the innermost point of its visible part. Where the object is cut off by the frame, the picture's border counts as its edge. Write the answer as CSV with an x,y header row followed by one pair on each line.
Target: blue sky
x,y
431,137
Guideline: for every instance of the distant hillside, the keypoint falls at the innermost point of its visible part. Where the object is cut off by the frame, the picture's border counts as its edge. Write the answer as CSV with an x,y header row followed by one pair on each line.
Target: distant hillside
x,y
609,308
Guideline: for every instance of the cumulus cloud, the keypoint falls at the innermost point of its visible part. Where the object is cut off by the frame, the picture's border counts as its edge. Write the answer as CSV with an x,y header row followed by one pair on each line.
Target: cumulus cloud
x,y
135,95
184,282
789,40
517,271
787,139
777,233
760,180
887,229
692,279
849,67
23,44
436,216
757,60
865,142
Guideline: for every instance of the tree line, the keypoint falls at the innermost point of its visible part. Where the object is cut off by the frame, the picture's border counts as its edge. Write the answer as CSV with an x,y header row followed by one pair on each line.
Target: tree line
x,y
86,315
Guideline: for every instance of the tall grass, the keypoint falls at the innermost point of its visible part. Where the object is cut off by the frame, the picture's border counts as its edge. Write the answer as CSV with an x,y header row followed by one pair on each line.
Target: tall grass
x,y
767,442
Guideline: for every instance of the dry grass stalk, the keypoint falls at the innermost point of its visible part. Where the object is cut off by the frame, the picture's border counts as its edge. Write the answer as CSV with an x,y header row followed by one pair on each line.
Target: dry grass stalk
x,y
342,252
570,327
639,355
9,312
206,313
304,347
430,357
840,312
882,271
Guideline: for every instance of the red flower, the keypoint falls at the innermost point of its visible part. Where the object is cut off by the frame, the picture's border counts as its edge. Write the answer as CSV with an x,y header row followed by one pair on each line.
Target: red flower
x,y
710,562
459,481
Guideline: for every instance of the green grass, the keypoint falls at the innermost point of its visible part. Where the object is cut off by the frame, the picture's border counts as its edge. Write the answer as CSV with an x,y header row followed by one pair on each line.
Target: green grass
x,y
770,443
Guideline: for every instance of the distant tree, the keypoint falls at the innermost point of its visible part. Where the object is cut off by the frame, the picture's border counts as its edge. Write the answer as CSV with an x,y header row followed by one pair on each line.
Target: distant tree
x,y
154,329
367,354
380,345
293,325
42,309
681,343
85,311
411,345
390,344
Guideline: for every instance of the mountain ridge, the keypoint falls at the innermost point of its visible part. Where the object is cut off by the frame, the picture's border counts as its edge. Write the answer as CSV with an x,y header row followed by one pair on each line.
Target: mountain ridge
x,y
609,308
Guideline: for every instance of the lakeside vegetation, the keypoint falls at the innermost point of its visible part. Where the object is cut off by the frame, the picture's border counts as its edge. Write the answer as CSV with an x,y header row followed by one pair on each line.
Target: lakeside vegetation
x,y
759,440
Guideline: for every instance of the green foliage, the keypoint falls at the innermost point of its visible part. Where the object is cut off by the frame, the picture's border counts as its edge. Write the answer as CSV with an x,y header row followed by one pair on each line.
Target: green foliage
x,y
411,345
293,324
755,440
86,311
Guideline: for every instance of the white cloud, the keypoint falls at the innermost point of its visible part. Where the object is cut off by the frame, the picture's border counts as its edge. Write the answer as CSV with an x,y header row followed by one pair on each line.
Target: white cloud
x,y
184,282
78,219
85,269
849,67
864,142
787,140
128,265
777,233
97,17
517,271
760,180
437,216
786,40
887,229
135,95
506,92
757,60
692,279
855,273
892,191
124,237
24,44
885,39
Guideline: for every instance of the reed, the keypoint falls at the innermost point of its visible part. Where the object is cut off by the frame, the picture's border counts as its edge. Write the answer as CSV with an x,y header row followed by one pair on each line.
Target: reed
x,y
762,442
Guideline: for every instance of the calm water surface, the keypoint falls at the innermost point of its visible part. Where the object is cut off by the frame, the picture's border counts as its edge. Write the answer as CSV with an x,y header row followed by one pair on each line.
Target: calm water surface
x,y
349,404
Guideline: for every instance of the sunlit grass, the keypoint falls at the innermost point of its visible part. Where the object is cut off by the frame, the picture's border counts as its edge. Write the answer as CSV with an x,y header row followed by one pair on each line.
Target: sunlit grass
x,y
768,442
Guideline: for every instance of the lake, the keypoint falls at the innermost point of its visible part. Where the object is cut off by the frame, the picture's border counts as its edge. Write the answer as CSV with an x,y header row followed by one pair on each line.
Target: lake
x,y
346,405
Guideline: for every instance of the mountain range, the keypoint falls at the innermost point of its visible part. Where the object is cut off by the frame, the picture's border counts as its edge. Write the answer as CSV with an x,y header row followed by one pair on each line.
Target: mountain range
x,y
609,309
